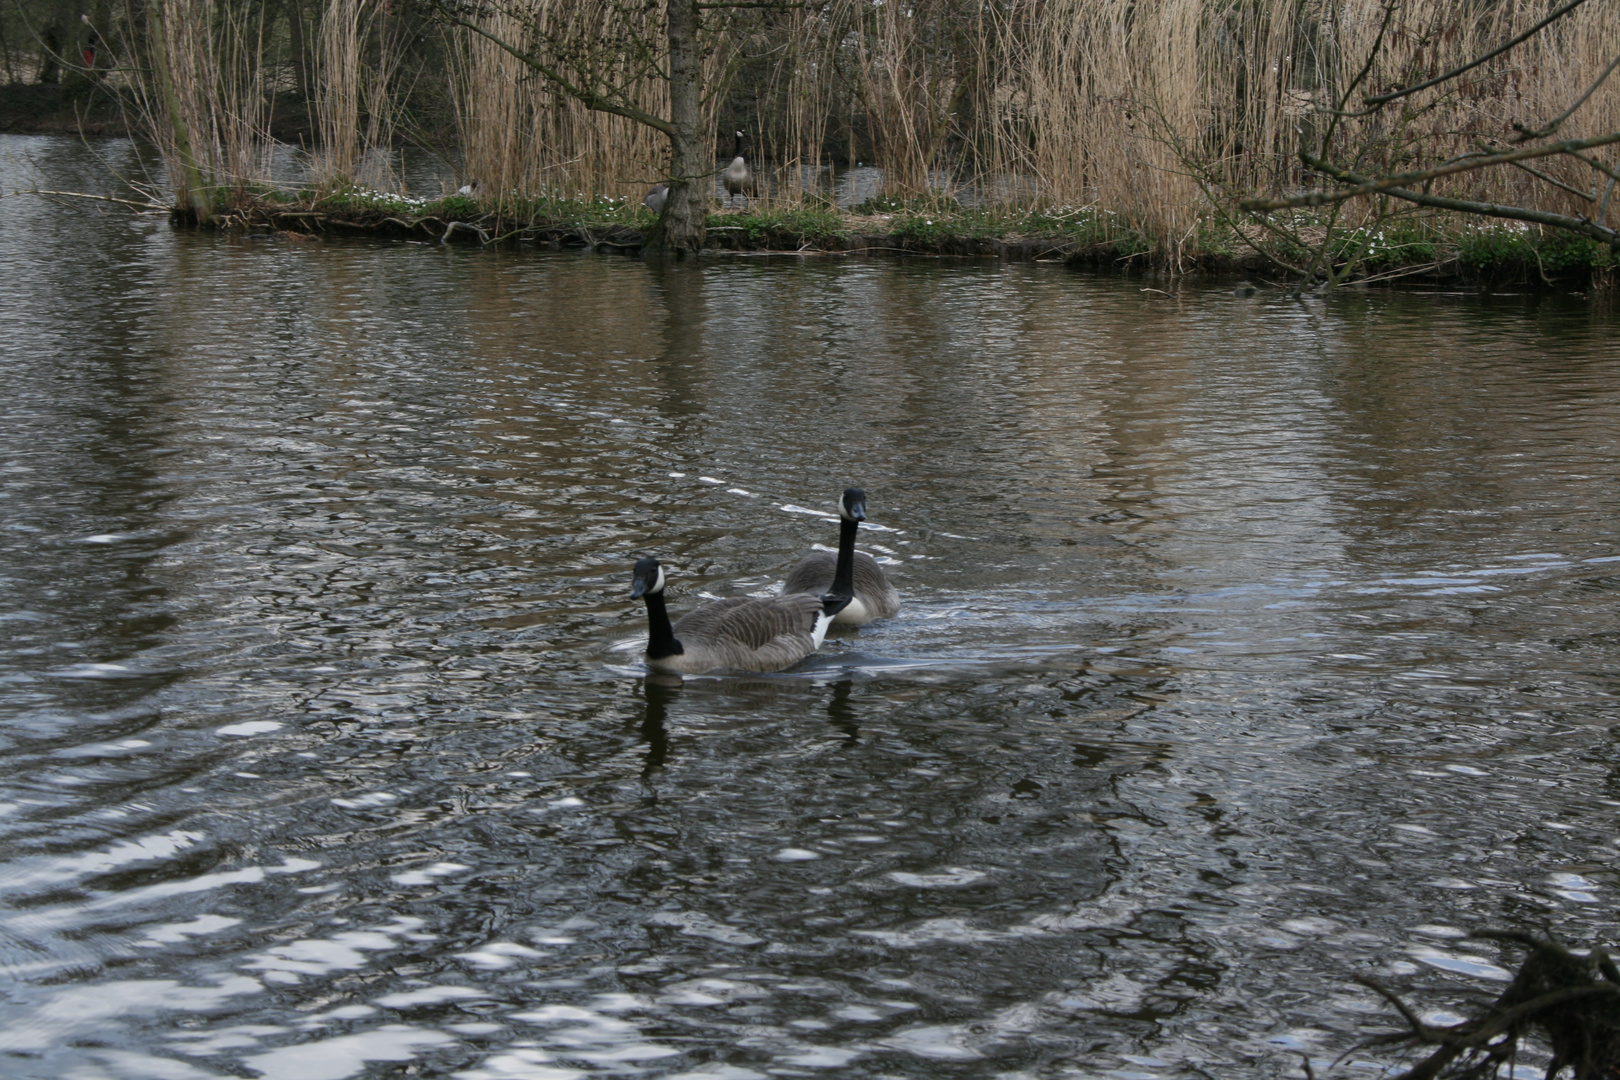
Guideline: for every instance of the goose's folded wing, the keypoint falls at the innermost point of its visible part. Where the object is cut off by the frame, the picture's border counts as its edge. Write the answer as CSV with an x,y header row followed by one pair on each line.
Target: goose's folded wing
x,y
872,585
750,623
814,574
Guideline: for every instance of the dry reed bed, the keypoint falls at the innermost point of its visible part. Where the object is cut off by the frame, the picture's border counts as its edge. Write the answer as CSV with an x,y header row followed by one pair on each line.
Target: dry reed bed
x,y
1160,111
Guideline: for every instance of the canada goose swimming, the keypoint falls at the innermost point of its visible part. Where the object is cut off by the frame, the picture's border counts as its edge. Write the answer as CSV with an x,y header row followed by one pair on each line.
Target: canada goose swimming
x,y
871,595
656,197
745,634
736,177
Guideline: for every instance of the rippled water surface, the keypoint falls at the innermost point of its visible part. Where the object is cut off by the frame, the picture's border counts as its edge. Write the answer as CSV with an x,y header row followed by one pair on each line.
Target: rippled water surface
x,y
1248,645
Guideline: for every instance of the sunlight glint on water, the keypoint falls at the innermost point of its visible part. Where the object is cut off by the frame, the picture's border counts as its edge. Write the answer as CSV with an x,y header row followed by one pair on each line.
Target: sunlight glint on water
x,y
1248,644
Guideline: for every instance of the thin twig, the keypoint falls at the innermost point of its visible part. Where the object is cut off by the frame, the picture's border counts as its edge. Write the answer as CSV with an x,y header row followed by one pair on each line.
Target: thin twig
x,y
1554,181
1372,55
1514,213
1389,183
1525,135
84,195
1419,1028
1381,99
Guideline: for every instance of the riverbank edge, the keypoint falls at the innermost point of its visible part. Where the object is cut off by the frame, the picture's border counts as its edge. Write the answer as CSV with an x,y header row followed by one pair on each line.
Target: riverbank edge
x,y
1460,253
1495,256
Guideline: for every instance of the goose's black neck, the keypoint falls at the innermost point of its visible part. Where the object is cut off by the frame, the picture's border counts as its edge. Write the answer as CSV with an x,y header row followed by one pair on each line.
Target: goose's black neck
x,y
661,639
737,152
843,583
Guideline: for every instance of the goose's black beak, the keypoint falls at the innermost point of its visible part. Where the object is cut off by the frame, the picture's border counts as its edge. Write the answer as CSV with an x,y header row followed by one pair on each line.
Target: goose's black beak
x,y
638,589
832,604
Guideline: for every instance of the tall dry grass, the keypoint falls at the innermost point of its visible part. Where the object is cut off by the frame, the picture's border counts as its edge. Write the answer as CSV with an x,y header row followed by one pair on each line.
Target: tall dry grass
x,y
1129,103
522,135
339,82
1151,109
909,77
205,95
795,105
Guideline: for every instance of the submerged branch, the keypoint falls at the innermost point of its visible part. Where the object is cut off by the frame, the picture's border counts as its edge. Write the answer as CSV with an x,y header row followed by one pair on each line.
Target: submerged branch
x,y
450,229
1573,1001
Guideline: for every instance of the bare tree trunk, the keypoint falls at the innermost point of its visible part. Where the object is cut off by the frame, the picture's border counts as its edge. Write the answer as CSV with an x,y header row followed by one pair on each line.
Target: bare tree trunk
x,y
296,44
56,41
5,48
683,227
191,195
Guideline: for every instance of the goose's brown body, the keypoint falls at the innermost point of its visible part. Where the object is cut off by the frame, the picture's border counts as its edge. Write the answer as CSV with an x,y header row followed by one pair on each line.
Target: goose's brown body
x,y
874,597
741,634
745,635
871,595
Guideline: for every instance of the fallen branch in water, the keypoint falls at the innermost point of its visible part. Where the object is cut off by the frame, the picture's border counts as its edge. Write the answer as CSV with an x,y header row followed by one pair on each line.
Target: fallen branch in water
x,y
450,229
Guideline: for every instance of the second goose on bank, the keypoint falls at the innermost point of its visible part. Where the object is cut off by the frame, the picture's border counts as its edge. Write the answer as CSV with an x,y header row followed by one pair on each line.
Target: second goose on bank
x,y
740,634
871,595
736,177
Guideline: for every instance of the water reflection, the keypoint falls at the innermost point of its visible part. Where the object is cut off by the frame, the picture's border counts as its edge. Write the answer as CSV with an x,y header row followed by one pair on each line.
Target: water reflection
x,y
659,691
841,714
1248,643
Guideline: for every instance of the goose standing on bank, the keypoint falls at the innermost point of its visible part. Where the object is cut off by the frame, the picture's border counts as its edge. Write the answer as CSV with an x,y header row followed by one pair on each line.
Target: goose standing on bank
x,y
743,634
655,198
871,595
736,177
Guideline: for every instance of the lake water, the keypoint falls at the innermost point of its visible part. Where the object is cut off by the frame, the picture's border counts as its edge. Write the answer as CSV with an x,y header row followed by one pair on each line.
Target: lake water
x,y
1249,644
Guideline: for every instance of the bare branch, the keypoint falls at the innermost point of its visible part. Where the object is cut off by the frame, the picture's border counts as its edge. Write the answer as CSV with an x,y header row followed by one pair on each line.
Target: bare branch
x,y
1553,180
1525,134
591,99
94,198
1369,186
1600,167
1420,1030
1517,213
1372,55
1500,1022
1381,99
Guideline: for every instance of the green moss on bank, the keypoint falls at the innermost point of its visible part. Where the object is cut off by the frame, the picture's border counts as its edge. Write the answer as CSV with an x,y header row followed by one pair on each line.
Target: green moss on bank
x,y
1434,249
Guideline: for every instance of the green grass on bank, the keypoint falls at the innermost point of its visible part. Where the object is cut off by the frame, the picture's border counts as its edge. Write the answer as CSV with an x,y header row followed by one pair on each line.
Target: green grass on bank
x,y
1465,246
